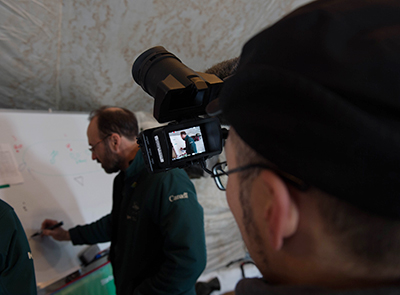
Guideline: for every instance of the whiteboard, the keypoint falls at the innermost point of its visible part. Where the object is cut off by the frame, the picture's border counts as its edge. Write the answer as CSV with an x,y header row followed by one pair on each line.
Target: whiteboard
x,y
60,182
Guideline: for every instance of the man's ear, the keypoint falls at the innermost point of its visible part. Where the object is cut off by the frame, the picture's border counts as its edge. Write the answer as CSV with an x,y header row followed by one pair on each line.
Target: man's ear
x,y
115,141
280,213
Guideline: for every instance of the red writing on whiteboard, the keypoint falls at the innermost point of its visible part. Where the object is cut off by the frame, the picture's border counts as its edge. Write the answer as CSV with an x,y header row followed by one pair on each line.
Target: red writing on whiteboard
x,y
69,147
18,147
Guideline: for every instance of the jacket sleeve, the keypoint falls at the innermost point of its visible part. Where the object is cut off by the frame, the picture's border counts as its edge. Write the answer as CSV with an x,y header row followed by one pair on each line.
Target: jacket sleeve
x,y
93,233
181,222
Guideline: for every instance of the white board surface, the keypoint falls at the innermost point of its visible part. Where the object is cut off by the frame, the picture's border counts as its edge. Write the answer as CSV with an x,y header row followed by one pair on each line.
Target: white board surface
x,y
61,182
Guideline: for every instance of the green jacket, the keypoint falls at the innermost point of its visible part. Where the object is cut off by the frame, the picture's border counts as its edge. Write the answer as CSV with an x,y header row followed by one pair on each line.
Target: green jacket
x,y
190,145
17,275
156,230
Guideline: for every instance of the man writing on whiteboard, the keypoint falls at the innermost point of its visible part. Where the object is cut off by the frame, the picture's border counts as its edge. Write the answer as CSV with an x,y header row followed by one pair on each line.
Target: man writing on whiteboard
x,y
157,241
190,145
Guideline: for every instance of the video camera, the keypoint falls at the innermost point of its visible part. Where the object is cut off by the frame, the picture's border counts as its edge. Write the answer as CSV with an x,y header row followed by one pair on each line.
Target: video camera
x,y
181,96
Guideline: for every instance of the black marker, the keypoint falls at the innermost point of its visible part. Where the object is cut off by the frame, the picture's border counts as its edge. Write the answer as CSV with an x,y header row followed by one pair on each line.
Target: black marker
x,y
51,227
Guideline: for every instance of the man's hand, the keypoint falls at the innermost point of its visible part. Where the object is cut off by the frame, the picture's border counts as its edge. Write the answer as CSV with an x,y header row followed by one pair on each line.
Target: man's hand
x,y
58,233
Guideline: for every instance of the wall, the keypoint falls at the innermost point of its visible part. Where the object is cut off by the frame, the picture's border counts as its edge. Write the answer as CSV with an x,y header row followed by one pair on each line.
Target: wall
x,y
76,55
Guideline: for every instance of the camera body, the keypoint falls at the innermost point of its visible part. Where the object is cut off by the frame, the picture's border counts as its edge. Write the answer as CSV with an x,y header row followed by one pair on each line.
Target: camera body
x,y
181,96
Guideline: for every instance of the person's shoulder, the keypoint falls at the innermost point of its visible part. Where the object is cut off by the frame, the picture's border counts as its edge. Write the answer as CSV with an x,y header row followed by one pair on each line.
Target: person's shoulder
x,y
255,286
5,208
178,173
172,178
172,174
7,212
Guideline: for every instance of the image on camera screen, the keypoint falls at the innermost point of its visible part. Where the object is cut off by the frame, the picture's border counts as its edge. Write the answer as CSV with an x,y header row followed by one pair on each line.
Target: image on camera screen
x,y
186,142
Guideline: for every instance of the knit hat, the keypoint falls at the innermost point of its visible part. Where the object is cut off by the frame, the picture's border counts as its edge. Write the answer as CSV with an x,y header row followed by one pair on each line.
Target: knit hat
x,y
318,94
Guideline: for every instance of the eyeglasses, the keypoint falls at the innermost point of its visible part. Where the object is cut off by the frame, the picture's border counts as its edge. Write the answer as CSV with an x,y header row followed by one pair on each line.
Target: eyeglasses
x,y
91,149
220,175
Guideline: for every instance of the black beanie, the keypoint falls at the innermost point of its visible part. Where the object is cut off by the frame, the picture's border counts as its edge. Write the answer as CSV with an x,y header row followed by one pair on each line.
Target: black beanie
x,y
318,94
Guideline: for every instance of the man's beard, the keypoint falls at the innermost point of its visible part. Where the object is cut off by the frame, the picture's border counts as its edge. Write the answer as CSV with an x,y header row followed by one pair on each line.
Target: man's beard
x,y
112,162
252,231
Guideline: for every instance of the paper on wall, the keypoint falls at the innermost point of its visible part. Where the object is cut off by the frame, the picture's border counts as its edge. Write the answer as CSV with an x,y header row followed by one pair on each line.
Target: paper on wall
x,y
9,173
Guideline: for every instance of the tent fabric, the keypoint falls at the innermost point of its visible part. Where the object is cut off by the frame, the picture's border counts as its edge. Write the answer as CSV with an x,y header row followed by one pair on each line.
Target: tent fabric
x,y
77,55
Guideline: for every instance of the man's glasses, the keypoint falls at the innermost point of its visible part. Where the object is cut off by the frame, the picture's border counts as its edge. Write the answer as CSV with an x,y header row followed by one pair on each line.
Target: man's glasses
x,y
91,149
220,174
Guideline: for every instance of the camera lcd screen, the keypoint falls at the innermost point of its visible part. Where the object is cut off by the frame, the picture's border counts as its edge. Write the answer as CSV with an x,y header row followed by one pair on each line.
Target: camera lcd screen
x,y
186,142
